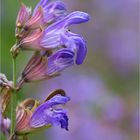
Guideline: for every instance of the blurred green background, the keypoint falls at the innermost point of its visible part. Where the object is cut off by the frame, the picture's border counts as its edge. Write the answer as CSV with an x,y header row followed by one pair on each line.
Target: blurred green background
x,y
112,59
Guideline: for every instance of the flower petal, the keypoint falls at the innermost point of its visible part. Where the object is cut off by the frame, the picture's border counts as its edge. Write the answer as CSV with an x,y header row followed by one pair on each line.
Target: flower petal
x,y
59,61
58,99
52,35
60,118
73,18
75,42
50,41
81,50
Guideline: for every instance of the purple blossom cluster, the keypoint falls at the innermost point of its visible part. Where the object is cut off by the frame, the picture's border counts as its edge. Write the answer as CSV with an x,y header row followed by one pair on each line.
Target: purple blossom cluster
x,y
33,115
46,32
104,104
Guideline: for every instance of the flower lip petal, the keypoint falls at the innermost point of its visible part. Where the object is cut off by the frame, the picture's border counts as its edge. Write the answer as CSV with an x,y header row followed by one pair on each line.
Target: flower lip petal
x,y
64,122
81,50
76,17
58,99
75,42
60,118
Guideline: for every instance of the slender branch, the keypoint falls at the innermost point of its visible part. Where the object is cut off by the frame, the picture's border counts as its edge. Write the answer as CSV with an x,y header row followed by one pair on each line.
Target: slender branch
x,y
13,99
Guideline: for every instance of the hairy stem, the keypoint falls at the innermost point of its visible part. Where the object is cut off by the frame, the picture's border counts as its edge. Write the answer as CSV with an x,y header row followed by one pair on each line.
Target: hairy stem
x,y
13,99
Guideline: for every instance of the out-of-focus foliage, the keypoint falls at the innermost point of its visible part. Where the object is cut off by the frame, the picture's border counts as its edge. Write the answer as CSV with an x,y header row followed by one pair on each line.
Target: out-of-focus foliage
x,y
103,91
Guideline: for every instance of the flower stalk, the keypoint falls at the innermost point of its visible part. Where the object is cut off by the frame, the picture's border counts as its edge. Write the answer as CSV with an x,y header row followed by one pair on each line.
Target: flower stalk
x,y
13,98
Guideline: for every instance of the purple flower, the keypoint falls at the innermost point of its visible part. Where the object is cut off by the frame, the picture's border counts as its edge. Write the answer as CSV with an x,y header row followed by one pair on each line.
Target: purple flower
x,y
47,29
45,114
51,37
57,35
33,115
41,66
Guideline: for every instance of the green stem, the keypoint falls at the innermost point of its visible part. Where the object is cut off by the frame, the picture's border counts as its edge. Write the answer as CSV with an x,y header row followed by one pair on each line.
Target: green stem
x,y
13,99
